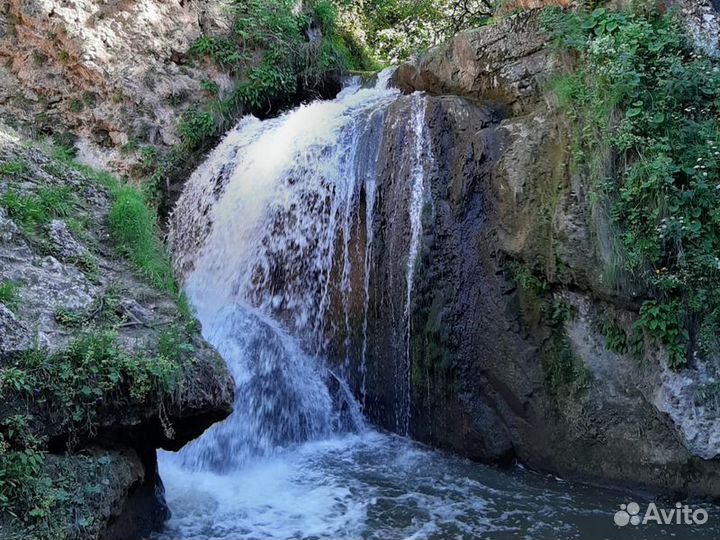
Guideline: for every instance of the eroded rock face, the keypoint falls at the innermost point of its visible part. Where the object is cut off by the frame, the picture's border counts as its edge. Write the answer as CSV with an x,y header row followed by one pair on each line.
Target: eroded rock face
x,y
505,62
453,312
68,279
110,72
486,356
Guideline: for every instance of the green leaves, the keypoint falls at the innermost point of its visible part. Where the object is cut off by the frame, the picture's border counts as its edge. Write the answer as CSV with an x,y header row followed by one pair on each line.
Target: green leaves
x,y
196,127
654,101
9,295
270,57
664,323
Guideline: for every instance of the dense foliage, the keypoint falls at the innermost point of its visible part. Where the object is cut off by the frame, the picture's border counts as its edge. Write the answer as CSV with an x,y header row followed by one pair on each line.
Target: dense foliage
x,y
273,51
395,29
648,107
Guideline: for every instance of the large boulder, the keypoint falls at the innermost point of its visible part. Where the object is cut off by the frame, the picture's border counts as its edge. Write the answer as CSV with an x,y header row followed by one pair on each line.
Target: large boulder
x,y
505,62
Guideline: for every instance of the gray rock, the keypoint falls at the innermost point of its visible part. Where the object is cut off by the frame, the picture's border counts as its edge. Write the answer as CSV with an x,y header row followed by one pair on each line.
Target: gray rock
x,y
14,335
502,189
111,71
63,242
8,229
129,504
506,62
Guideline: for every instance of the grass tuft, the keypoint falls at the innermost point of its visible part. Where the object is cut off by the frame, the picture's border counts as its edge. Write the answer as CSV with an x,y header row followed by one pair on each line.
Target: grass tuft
x,y
8,294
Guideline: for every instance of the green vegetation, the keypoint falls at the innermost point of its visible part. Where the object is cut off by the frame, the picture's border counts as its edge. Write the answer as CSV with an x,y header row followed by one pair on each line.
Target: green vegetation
x,y
273,51
66,392
396,29
564,371
71,386
664,323
527,280
277,55
129,147
76,105
616,339
134,228
38,208
135,231
95,365
647,107
21,484
14,167
211,87
52,497
8,294
196,127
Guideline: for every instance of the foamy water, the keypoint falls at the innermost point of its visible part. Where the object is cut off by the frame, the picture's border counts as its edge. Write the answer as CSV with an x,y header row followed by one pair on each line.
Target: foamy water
x,y
374,485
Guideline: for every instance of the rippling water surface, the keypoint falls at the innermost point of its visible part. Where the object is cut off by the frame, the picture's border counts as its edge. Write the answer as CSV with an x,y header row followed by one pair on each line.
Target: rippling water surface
x,y
374,485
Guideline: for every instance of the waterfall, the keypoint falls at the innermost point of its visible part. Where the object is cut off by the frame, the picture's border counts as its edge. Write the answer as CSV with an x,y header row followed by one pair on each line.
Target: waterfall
x,y
301,244
422,154
276,232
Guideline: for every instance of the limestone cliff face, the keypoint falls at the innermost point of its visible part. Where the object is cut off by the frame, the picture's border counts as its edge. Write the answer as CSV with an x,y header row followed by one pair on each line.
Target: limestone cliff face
x,y
503,366
108,72
69,282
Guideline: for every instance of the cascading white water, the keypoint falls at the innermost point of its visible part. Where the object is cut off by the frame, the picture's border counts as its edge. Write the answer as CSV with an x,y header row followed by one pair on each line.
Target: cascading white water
x,y
263,231
263,280
423,155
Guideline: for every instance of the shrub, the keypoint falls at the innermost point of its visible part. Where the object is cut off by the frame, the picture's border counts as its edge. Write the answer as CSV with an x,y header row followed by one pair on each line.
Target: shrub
x,y
210,86
21,485
270,55
527,280
196,127
616,339
642,92
94,367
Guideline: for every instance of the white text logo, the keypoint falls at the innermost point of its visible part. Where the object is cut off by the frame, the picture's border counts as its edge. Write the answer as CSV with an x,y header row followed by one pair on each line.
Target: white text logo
x,y
629,514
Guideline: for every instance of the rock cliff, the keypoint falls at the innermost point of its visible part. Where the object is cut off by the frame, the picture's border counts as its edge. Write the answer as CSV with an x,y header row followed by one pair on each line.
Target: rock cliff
x,y
106,76
97,367
517,286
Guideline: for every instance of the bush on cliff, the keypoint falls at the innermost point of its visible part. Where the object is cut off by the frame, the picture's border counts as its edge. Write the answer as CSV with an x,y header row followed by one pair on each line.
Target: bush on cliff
x,y
273,51
642,95
395,29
